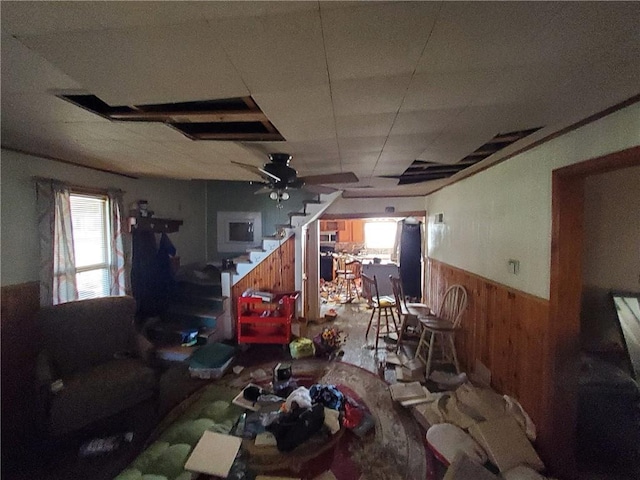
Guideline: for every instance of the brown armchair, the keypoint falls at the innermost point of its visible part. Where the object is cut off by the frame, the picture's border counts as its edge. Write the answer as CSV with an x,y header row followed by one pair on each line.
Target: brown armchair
x,y
90,366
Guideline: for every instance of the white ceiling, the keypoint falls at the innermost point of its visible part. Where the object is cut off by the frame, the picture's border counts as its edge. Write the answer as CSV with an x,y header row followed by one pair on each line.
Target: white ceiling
x,y
367,87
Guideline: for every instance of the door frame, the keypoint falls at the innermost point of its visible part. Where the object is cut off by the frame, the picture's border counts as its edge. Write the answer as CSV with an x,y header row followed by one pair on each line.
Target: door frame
x,y
558,437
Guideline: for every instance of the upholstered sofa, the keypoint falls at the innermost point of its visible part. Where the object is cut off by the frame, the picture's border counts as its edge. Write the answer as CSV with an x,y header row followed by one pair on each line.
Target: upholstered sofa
x,y
91,365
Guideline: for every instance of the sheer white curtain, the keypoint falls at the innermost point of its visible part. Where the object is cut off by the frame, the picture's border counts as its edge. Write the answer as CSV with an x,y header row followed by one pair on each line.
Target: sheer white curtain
x,y
57,257
118,260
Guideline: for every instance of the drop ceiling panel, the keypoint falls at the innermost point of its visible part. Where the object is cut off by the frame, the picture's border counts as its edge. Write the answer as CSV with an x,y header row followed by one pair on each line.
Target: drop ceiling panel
x,y
484,35
32,109
275,53
137,66
307,163
35,18
23,70
320,147
361,161
376,39
424,121
583,30
445,90
139,14
408,142
398,159
375,95
296,113
364,125
157,132
361,145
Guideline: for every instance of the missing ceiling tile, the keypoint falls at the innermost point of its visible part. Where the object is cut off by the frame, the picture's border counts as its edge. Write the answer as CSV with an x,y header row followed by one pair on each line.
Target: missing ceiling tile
x,y
421,171
230,119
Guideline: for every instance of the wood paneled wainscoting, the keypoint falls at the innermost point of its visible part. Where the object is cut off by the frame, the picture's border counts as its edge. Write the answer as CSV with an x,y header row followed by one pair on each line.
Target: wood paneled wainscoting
x,y
20,303
505,329
274,274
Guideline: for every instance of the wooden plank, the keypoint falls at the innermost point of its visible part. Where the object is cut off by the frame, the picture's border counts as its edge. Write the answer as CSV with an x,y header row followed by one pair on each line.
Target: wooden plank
x,y
275,273
503,328
263,137
220,116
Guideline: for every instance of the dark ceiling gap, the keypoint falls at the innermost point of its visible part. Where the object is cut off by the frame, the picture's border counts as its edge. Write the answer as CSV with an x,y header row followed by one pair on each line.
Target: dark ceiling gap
x,y
228,119
422,171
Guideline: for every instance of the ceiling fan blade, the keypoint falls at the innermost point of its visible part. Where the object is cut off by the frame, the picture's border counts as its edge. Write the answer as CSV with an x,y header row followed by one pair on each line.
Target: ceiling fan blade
x,y
345,177
251,168
262,190
320,189
269,175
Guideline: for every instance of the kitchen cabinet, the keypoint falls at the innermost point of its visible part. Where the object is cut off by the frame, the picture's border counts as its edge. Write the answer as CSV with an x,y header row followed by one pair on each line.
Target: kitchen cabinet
x,y
353,232
332,225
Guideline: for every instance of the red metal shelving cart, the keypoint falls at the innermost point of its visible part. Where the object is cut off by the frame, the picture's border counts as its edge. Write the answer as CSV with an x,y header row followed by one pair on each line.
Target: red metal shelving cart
x,y
266,322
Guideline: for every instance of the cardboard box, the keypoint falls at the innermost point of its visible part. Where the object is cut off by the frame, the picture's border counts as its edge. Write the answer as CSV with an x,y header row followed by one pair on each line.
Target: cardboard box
x,y
299,327
506,444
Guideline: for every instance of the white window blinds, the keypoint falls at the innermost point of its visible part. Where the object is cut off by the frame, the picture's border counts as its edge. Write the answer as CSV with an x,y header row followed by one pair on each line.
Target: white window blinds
x,y
91,244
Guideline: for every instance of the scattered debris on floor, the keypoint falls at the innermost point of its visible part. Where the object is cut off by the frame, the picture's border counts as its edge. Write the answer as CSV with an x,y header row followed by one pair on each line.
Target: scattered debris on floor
x,y
334,292
471,429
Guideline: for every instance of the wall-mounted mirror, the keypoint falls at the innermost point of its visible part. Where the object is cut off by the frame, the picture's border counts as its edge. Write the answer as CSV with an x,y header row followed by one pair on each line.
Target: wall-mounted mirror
x,y
627,306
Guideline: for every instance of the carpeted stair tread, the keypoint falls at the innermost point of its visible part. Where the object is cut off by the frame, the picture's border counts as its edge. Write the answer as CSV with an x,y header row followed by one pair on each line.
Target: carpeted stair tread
x,y
214,302
194,310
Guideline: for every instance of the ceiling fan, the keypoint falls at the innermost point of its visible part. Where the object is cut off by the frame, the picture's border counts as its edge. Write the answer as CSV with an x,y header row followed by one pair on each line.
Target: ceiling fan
x,y
279,176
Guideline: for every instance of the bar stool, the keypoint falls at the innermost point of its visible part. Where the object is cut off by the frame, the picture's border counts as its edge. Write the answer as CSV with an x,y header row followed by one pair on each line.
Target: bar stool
x,y
442,327
384,305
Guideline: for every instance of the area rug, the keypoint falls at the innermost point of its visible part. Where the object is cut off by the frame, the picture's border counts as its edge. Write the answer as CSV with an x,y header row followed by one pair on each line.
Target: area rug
x,y
394,451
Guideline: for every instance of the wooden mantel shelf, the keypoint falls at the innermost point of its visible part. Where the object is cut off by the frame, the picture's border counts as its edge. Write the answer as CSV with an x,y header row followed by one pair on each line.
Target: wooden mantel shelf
x,y
156,225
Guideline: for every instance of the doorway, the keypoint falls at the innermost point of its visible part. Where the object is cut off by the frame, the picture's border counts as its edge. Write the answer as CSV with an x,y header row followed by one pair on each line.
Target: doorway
x,y
364,243
566,288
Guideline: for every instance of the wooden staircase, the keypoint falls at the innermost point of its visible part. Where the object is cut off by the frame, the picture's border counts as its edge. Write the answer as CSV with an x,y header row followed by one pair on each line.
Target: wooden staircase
x,y
244,264
201,299
196,303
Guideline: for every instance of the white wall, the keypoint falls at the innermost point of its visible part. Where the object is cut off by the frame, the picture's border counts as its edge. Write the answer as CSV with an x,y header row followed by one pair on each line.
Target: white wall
x,y
184,200
612,230
504,212
611,259
375,205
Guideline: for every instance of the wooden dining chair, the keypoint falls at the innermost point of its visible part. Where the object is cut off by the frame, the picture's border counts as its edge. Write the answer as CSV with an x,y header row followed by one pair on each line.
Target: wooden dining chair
x,y
408,313
442,327
380,305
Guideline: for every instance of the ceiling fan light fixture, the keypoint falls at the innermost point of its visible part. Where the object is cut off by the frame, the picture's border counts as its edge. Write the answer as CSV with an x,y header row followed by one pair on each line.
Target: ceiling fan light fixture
x,y
273,195
284,196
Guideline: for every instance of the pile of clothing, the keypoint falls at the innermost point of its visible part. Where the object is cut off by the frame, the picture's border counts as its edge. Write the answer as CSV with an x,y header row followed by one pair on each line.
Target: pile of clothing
x,y
319,410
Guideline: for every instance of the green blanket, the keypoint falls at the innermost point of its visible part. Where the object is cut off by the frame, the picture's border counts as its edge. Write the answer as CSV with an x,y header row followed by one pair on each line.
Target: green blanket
x,y
164,459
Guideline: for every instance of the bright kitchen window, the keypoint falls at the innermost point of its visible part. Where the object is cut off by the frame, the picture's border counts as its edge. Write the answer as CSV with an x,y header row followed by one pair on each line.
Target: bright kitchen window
x,y
380,234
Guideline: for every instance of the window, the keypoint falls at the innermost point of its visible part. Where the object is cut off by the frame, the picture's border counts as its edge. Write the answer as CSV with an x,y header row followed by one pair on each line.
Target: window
x,y
91,237
380,235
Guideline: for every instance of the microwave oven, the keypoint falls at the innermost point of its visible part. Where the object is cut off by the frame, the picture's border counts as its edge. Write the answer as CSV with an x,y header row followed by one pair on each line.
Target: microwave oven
x,y
328,237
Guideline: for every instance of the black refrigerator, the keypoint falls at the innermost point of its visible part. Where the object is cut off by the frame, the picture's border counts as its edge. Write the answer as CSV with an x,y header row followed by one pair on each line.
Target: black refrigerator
x,y
411,258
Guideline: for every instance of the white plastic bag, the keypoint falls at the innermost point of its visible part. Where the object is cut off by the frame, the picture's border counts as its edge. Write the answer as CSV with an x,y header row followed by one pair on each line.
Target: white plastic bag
x,y
301,396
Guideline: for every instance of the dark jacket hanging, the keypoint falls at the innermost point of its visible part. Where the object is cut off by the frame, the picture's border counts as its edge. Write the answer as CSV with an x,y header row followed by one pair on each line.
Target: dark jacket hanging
x,y
151,277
